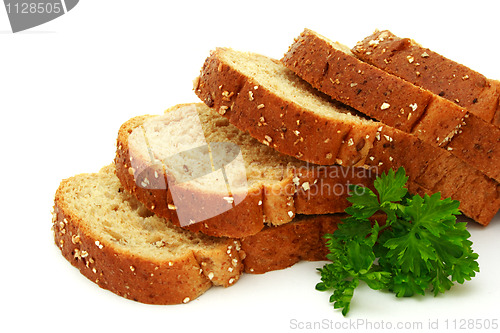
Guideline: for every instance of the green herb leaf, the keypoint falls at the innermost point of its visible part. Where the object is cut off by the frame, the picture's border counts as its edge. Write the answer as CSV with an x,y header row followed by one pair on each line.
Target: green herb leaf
x,y
419,247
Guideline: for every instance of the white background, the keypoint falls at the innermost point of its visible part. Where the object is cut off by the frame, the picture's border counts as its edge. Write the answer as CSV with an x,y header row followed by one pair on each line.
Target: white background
x,y
67,86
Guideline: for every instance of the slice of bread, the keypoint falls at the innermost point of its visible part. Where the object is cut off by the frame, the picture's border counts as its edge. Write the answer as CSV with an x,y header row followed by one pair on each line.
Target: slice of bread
x,y
277,186
301,122
410,61
333,69
117,243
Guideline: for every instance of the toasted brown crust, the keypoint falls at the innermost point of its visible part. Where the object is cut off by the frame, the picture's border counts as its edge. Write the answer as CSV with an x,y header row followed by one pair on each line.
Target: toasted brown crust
x,y
395,102
318,190
134,277
281,247
406,150
410,61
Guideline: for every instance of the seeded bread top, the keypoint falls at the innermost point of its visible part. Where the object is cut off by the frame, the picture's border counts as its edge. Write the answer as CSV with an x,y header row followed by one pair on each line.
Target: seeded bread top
x,y
409,60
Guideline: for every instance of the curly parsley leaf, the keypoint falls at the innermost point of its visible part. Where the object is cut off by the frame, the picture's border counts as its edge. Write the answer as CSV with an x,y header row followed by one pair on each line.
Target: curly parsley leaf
x,y
418,247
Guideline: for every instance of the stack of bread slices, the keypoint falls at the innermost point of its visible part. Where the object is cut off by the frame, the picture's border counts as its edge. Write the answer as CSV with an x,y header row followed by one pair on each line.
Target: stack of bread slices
x,y
251,179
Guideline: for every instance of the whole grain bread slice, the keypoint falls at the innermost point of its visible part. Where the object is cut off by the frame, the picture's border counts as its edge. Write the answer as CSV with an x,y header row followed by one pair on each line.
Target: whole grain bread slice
x,y
425,68
302,122
117,243
333,69
278,186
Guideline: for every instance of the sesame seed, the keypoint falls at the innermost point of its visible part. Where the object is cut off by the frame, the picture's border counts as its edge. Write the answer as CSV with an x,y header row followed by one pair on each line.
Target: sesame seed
x,y
229,200
231,281
410,59
230,269
413,106
210,275
260,203
385,106
391,159
170,263
353,85
268,138
350,142
185,300
290,213
171,207
132,268
260,106
223,109
329,156
465,77
99,245
425,55
256,87
75,239
234,262
306,186
250,95
372,158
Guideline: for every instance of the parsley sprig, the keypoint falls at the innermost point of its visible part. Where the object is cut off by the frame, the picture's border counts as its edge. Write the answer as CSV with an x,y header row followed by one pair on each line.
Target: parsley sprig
x,y
420,246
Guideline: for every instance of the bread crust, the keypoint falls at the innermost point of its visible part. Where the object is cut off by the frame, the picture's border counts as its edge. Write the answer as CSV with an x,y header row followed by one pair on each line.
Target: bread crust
x,y
317,190
406,150
412,62
395,102
130,275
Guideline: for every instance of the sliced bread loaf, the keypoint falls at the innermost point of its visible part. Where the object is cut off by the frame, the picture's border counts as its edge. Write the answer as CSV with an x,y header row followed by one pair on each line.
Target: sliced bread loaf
x,y
117,243
277,186
333,69
409,60
301,122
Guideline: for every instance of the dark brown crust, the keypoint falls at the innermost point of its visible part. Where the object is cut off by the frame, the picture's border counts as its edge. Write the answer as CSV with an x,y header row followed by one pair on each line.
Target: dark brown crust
x,y
406,150
431,169
387,98
281,247
273,249
410,61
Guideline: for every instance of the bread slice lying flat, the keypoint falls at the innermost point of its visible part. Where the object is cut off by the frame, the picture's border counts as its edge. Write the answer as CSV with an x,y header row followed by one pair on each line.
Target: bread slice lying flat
x,y
277,186
299,121
409,60
117,243
333,69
